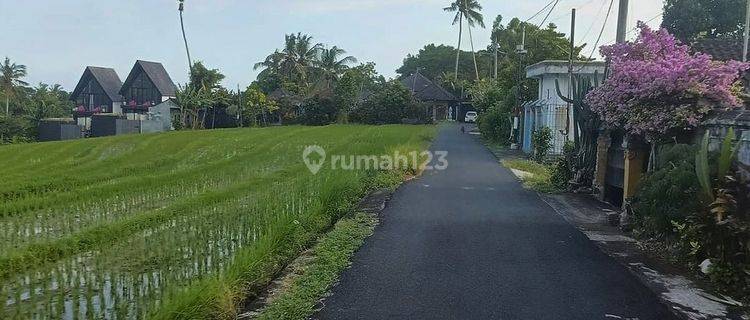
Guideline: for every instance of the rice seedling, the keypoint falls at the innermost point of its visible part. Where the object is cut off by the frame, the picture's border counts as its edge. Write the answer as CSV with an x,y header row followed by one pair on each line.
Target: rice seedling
x,y
176,225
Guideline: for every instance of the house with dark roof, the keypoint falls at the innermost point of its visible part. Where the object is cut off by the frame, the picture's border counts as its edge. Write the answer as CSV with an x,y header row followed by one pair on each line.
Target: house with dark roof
x,y
147,85
98,91
443,103
103,101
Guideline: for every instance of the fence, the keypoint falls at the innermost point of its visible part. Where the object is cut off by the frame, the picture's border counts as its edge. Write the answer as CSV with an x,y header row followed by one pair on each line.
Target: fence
x,y
552,116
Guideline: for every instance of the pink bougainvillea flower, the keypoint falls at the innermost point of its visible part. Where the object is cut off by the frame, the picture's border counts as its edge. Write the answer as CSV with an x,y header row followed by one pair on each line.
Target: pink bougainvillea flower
x,y
656,85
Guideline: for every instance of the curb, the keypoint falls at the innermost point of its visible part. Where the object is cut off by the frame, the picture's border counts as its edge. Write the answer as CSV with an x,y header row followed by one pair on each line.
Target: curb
x,y
682,296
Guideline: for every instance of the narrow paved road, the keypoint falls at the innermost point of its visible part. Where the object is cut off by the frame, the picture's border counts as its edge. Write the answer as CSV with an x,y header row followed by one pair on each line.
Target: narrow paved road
x,y
470,243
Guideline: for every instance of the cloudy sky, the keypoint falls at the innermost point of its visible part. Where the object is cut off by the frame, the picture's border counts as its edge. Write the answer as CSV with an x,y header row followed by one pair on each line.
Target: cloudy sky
x,y
57,39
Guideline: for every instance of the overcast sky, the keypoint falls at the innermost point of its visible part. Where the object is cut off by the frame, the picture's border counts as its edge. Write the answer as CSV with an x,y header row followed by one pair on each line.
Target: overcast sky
x,y
57,39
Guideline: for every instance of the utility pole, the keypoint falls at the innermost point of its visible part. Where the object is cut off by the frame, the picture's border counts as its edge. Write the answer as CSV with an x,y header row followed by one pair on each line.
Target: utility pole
x,y
496,48
239,105
520,51
747,32
571,56
622,20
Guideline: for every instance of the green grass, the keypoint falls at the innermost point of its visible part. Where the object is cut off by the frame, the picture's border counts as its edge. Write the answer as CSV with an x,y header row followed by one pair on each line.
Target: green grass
x,y
331,256
539,179
176,225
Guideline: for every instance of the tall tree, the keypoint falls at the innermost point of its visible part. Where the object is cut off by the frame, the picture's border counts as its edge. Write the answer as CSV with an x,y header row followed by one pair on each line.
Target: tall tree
x,y
184,38
295,61
469,9
332,65
46,101
10,79
689,20
203,77
435,61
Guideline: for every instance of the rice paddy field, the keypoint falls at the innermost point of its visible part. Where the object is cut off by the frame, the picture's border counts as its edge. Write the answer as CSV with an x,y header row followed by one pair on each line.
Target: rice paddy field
x,y
176,225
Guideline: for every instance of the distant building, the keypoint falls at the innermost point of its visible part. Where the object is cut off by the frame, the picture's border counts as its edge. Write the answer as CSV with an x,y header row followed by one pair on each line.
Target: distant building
x,y
97,92
440,101
549,110
145,102
147,85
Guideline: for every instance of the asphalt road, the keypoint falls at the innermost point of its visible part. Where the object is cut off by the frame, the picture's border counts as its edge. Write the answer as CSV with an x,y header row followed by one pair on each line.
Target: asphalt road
x,y
470,243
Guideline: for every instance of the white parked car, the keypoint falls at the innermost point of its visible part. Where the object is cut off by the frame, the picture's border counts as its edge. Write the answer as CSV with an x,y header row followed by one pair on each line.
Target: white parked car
x,y
471,116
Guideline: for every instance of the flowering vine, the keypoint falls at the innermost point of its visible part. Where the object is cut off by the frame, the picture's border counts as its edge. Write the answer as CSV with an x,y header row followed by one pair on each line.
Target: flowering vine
x,y
656,85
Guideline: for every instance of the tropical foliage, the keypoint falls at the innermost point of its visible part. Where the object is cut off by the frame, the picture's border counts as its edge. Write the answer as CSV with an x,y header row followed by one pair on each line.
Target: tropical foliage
x,y
656,85
469,10
26,106
304,71
10,80
689,20
390,103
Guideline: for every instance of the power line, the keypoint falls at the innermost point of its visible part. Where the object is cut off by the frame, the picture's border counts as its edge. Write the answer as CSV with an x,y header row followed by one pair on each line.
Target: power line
x,y
636,27
541,25
601,32
565,13
591,26
542,10
599,38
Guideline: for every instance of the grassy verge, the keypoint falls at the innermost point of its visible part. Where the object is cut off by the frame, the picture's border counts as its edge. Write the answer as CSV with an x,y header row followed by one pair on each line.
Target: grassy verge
x,y
538,177
331,256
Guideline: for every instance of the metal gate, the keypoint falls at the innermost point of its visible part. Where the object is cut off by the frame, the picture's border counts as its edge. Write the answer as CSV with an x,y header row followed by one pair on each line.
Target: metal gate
x,y
615,176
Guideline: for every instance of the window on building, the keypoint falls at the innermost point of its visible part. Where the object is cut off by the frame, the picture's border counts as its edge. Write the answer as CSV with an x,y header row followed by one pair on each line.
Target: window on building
x,y
142,91
93,96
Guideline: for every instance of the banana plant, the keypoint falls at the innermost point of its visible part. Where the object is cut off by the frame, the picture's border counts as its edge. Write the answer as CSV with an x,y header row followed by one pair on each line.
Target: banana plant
x,y
585,128
722,199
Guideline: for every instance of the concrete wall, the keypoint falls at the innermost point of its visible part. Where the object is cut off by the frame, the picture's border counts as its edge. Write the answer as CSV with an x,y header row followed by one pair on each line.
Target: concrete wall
x,y
56,131
102,126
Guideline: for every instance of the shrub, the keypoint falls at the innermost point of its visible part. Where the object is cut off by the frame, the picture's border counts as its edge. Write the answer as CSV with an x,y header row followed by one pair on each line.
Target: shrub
x,y
319,111
494,124
541,139
562,171
390,103
669,193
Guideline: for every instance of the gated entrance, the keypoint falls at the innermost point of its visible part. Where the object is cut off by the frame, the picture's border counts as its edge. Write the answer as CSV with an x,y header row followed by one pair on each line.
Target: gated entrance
x,y
615,176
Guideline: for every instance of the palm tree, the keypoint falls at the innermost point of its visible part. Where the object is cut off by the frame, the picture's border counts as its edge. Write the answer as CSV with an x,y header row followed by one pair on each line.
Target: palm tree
x,y
10,78
184,38
295,60
470,10
299,55
272,62
331,65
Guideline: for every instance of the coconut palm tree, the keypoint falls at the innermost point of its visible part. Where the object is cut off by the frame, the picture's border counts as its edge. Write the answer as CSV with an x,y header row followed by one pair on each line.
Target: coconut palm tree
x,y
271,63
299,56
10,79
469,9
331,65
184,38
295,60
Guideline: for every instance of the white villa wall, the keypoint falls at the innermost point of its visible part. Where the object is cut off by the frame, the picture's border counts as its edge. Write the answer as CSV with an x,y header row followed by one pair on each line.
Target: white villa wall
x,y
551,110
117,107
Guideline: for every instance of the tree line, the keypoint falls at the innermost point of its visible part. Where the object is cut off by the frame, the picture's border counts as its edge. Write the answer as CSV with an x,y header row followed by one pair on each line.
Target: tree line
x,y
301,83
25,106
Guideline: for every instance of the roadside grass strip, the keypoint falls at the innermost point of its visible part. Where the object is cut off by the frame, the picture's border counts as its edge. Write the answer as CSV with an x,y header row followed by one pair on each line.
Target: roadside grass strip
x,y
332,255
534,175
